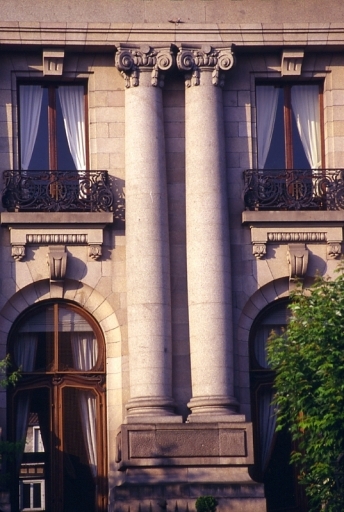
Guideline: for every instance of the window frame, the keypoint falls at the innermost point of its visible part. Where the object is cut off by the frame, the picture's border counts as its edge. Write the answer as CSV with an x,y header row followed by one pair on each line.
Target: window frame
x,y
286,85
52,86
55,382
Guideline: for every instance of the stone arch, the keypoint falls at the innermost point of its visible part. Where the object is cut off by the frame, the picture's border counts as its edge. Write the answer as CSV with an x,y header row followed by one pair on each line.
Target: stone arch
x,y
94,303
265,295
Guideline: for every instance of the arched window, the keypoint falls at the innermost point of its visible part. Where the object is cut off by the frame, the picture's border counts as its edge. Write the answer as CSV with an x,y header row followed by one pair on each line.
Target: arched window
x,y
272,450
57,410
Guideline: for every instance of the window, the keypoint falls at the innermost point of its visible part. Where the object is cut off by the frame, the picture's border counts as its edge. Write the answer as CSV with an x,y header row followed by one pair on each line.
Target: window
x,y
57,410
52,127
272,450
32,495
289,127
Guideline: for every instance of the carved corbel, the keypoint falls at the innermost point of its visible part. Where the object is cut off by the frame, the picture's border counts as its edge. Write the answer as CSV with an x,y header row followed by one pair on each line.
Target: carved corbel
x,y
18,252
57,262
192,60
130,60
297,257
334,250
95,251
259,250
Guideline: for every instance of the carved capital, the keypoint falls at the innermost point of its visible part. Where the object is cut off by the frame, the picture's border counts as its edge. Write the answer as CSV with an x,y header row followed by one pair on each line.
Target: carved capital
x,y
18,252
334,250
193,60
57,262
259,250
130,61
297,257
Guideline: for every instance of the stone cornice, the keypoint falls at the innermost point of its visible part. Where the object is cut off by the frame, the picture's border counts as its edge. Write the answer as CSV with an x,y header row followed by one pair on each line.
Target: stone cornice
x,y
192,60
108,35
130,60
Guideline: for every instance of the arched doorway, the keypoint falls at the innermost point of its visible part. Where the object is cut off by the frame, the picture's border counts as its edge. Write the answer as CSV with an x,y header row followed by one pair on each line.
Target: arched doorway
x,y
272,450
57,410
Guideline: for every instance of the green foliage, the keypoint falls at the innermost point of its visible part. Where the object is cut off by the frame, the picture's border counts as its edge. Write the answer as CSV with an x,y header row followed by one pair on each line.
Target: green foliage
x,y
309,362
206,504
8,450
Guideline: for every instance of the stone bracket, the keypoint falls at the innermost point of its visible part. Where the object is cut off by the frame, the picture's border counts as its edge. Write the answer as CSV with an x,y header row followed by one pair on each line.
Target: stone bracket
x,y
184,444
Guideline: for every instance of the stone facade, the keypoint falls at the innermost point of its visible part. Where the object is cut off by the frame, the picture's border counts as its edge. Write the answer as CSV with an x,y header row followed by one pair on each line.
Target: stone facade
x,y
178,273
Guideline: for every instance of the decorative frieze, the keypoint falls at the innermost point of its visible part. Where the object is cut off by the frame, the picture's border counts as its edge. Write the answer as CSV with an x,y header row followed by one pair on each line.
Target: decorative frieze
x,y
192,60
57,238
297,236
130,61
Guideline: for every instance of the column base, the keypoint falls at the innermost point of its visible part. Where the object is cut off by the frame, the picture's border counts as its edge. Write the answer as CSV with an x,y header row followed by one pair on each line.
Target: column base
x,y
209,409
152,410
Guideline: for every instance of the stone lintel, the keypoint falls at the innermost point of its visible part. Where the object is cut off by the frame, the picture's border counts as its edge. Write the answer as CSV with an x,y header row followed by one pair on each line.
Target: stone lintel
x,y
283,228
218,444
56,229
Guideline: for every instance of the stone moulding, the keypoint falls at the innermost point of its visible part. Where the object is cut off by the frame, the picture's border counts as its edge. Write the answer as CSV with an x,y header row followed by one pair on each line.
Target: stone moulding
x,y
187,445
51,34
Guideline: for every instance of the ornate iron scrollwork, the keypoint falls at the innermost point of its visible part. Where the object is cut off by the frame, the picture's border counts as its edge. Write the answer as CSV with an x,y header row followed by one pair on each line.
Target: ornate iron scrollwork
x,y
57,191
294,189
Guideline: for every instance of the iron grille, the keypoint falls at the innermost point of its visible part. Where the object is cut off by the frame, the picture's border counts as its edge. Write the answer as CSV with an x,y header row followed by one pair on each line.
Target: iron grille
x,y
294,189
54,191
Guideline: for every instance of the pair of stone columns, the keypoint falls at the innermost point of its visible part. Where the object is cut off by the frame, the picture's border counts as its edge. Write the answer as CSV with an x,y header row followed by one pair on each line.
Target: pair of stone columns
x,y
147,236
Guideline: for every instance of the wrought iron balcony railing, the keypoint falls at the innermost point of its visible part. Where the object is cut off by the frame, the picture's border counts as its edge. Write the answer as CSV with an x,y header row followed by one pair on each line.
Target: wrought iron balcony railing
x,y
294,189
54,191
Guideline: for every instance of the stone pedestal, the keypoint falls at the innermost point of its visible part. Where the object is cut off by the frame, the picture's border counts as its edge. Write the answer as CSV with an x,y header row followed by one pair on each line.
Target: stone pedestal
x,y
167,467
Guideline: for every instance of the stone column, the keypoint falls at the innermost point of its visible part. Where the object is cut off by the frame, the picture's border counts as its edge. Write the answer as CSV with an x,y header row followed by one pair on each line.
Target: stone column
x,y
207,229
147,243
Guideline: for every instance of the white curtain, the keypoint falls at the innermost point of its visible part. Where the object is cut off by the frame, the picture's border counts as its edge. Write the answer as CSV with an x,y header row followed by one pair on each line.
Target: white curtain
x,y
73,111
266,99
88,403
305,105
85,354
267,423
25,349
260,340
85,350
30,99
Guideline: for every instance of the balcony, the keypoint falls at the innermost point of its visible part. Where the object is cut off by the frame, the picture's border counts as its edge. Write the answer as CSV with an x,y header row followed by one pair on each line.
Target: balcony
x,y
294,190
57,191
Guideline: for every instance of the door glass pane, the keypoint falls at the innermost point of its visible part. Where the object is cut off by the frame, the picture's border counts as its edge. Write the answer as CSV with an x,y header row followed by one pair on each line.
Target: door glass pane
x,y
79,483
276,154
33,424
78,347
34,345
299,156
64,158
40,155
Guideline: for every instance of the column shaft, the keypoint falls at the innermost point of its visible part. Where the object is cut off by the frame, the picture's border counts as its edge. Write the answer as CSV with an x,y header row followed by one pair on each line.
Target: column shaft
x,y
208,254
147,258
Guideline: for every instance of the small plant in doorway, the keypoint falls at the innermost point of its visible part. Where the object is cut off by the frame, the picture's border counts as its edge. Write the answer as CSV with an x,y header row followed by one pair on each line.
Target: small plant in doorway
x,y
206,504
